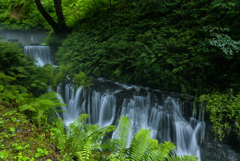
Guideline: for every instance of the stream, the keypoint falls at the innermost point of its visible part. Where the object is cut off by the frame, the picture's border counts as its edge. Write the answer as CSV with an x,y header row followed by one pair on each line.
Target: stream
x,y
169,115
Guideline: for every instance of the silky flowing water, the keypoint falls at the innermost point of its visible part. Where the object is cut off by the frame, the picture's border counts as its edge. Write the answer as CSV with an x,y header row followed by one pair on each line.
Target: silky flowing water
x,y
41,59
166,114
162,115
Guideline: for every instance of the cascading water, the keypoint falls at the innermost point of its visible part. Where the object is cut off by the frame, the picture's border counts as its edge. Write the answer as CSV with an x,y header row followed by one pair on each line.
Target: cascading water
x,y
163,116
42,54
101,109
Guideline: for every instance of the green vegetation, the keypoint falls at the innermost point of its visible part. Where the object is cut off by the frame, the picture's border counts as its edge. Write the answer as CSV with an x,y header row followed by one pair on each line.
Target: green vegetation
x,y
15,64
150,43
176,45
26,132
224,110
186,46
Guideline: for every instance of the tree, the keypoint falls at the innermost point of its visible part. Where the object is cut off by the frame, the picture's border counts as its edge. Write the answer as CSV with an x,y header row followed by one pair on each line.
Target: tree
x,y
60,28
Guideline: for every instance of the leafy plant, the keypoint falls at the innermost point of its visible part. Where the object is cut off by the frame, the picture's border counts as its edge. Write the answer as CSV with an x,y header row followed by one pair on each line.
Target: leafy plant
x,y
224,111
80,138
142,146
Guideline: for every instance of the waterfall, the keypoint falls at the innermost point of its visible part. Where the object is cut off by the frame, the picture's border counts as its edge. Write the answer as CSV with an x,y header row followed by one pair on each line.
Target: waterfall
x,y
42,54
105,103
168,117
163,116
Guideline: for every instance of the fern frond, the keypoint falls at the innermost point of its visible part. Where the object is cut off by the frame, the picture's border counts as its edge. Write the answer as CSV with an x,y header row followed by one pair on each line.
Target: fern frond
x,y
86,153
61,138
27,107
183,158
77,134
98,135
110,145
123,132
139,144
7,78
162,151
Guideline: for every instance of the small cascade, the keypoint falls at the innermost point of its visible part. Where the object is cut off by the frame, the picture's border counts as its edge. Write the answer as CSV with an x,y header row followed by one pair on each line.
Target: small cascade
x,y
163,116
42,54
102,107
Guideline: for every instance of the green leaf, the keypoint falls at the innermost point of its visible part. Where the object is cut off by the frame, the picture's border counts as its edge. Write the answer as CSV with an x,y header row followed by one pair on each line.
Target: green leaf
x,y
21,75
7,78
172,61
13,135
34,84
27,146
153,60
12,129
20,69
143,55
39,150
2,154
1,87
27,107
37,155
19,147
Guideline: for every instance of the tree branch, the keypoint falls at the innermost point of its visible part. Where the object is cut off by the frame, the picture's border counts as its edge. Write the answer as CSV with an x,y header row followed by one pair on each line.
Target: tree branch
x,y
47,17
61,22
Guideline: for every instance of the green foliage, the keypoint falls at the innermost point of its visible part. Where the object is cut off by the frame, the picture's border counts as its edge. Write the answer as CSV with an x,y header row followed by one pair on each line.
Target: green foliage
x,y
33,107
62,73
84,141
186,46
19,139
15,64
123,131
224,111
142,146
21,14
166,45
81,138
82,79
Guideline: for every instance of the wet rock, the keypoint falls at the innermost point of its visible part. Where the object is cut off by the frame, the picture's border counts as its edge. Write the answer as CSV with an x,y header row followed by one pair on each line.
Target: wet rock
x,y
175,95
186,97
226,150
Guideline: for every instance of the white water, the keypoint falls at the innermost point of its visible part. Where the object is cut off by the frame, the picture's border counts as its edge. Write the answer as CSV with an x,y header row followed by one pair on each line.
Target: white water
x,y
42,54
163,116
164,120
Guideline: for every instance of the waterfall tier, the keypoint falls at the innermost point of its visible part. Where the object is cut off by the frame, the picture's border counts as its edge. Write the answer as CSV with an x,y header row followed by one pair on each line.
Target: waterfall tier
x,y
164,115
42,54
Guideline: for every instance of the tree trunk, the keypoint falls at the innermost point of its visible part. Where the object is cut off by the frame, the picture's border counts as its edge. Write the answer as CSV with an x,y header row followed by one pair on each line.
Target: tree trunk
x,y
61,22
60,28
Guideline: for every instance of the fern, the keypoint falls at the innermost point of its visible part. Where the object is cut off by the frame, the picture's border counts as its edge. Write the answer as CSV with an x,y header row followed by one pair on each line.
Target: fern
x,y
27,107
142,147
81,139
139,144
162,151
85,154
123,132
60,137
6,78
183,158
